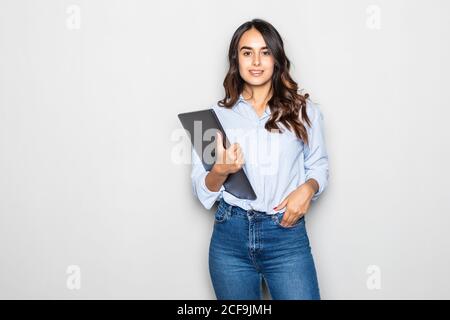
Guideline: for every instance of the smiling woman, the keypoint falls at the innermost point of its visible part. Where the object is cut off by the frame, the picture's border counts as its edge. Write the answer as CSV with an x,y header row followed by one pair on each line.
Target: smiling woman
x,y
266,237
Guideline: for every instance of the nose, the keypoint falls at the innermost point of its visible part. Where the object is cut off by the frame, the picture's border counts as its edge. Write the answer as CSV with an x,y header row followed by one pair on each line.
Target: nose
x,y
256,60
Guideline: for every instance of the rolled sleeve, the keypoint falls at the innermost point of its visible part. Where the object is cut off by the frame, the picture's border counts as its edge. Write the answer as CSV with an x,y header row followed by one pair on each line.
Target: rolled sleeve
x,y
199,188
315,154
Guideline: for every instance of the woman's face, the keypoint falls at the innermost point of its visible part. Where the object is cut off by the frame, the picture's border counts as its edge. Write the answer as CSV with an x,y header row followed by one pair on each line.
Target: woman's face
x,y
255,59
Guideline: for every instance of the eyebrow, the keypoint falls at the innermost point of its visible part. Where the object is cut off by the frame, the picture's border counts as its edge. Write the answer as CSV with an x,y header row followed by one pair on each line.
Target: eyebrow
x,y
250,48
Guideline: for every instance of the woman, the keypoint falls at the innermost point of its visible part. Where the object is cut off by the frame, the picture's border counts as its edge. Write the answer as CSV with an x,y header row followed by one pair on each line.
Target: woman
x,y
267,119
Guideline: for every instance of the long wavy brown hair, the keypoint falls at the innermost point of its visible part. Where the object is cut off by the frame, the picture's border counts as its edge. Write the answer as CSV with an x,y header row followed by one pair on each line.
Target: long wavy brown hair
x,y
286,103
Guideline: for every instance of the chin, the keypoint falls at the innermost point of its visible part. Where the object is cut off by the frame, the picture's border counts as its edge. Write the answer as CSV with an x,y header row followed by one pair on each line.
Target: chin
x,y
256,82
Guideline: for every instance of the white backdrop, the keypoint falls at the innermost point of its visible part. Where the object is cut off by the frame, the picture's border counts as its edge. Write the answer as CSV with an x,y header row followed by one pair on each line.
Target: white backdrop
x,y
93,203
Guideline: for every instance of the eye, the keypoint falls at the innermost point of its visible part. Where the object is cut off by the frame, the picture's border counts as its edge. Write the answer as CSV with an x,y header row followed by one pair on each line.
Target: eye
x,y
266,53
245,53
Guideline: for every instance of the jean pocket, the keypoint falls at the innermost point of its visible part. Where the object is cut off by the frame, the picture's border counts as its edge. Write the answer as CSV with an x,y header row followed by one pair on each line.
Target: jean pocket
x,y
278,217
221,215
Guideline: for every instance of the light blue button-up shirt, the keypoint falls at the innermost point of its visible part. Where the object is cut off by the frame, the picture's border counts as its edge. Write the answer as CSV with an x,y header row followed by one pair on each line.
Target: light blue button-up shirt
x,y
275,164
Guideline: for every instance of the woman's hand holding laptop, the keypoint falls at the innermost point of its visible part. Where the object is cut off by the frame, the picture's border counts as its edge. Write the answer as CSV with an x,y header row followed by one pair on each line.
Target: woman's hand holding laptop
x,y
228,160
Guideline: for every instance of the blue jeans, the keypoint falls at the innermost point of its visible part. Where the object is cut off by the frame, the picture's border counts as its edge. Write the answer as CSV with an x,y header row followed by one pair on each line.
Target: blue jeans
x,y
247,246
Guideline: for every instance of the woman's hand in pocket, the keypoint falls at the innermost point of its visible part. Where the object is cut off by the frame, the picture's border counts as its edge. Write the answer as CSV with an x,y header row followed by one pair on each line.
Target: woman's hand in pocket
x,y
297,204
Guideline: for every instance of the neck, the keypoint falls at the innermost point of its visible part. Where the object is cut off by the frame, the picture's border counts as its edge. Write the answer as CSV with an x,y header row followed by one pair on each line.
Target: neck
x,y
257,94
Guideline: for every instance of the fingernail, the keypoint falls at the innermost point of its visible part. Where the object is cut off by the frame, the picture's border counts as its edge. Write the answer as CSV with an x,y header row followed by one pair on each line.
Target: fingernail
x,y
274,208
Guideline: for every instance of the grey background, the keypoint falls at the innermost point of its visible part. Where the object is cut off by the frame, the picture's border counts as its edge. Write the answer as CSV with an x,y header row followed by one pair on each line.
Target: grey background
x,y
88,175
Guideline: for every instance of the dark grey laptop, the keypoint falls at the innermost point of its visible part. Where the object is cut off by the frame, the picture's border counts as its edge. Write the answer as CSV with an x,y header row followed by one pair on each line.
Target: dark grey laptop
x,y
237,183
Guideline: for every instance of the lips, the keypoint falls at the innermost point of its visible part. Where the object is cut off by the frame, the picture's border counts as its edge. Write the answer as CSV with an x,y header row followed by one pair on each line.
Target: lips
x,y
256,73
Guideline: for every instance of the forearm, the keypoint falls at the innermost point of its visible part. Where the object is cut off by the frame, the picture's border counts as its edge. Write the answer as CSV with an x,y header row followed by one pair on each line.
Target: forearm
x,y
215,179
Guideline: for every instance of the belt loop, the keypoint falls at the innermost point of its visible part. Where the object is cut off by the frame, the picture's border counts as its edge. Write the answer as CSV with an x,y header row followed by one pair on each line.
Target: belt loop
x,y
230,208
221,204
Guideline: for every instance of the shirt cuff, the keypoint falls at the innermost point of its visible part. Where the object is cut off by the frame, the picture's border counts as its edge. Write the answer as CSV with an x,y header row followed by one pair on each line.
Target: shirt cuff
x,y
321,180
206,196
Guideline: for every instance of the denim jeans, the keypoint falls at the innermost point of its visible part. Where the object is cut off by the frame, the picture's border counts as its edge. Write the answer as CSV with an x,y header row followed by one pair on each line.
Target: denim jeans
x,y
249,246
